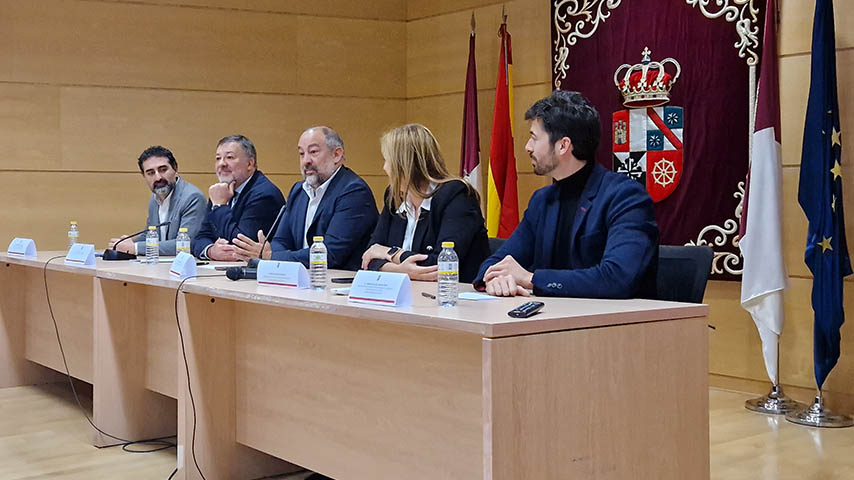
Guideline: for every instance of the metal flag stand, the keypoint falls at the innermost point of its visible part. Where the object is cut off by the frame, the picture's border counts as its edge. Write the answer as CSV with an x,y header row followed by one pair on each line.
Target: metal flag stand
x,y
818,416
776,402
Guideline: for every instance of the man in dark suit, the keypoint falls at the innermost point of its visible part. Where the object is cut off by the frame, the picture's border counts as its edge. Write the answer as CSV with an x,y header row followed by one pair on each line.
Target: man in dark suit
x,y
590,234
332,201
173,200
243,202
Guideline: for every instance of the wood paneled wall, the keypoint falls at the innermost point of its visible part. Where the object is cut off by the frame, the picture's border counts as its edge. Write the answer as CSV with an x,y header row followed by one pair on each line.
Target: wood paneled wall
x,y
436,63
85,86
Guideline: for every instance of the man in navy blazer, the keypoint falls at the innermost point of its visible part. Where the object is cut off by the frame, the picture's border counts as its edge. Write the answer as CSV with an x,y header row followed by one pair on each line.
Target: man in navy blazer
x,y
332,202
243,202
590,234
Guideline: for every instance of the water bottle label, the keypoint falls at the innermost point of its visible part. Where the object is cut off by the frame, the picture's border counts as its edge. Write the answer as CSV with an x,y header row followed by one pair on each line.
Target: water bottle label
x,y
73,234
151,242
448,268
317,258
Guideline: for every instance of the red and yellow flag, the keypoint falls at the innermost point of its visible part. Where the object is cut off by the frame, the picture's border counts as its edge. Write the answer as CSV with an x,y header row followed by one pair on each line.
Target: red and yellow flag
x,y
502,205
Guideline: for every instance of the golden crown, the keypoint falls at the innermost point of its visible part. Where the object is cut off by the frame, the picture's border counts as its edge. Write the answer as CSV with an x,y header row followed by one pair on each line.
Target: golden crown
x,y
646,84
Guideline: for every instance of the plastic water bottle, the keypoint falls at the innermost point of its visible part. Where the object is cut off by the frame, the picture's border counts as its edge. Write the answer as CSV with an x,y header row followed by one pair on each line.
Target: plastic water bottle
x,y
449,275
317,261
152,245
73,234
182,241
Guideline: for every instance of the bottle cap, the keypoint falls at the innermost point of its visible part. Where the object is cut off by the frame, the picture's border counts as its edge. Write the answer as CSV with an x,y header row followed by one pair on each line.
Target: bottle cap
x,y
182,230
74,222
447,244
152,227
317,238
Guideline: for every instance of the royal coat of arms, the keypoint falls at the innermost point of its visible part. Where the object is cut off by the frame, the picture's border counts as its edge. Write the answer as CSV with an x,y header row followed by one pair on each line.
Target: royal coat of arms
x,y
647,137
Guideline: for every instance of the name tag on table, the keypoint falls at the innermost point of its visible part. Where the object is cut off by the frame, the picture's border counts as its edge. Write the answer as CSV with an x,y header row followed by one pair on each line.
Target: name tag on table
x,y
183,266
282,274
381,288
81,255
22,247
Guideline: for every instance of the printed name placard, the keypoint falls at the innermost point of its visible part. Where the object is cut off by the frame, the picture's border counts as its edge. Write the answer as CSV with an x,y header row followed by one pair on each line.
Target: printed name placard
x,y
183,266
81,255
381,288
22,247
282,274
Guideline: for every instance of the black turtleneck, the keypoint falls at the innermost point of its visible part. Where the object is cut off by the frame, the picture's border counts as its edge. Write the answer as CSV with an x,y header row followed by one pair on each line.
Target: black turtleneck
x,y
570,189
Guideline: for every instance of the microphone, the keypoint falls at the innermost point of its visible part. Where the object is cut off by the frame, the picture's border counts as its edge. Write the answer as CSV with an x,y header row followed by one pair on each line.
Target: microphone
x,y
113,254
250,271
272,230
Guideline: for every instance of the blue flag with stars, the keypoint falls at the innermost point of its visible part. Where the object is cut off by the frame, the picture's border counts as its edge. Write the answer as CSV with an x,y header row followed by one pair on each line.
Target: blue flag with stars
x,y
820,195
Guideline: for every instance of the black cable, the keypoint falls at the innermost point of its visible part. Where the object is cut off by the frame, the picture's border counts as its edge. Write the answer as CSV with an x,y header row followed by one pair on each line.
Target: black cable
x,y
173,474
187,368
125,443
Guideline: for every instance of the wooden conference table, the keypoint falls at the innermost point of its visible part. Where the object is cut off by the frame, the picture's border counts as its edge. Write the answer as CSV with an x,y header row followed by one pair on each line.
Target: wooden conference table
x,y
593,389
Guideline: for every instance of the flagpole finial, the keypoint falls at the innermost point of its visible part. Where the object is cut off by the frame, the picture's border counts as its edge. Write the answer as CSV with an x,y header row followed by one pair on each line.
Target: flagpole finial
x,y
472,23
503,14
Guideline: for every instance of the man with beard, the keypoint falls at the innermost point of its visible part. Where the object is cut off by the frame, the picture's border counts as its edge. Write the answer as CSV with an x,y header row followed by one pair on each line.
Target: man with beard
x,y
332,201
592,233
243,202
173,200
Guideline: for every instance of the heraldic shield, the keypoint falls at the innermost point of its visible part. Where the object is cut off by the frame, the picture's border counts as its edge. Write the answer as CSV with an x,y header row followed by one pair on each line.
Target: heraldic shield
x,y
648,147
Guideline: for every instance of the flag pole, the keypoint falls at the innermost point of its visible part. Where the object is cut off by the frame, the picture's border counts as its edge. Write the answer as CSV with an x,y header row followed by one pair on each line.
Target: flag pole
x,y
775,402
819,416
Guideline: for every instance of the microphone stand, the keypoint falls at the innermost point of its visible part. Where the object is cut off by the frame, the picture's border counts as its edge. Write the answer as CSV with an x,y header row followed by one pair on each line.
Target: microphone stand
x,y
113,254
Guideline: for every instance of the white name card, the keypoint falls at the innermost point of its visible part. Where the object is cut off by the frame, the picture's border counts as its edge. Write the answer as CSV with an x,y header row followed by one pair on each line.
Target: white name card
x,y
282,274
183,266
381,288
81,255
22,247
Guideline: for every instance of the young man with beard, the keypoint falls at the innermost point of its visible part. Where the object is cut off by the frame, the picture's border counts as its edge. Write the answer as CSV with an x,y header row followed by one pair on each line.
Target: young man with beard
x,y
173,200
592,233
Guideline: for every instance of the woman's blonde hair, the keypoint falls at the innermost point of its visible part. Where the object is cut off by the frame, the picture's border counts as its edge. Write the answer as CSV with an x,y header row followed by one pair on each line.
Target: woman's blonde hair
x,y
415,162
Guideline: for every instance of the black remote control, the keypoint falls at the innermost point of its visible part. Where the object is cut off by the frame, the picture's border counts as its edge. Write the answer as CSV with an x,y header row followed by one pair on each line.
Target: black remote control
x,y
526,309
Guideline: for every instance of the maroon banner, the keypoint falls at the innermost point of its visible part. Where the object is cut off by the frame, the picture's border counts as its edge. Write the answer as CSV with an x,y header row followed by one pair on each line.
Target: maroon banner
x,y
691,152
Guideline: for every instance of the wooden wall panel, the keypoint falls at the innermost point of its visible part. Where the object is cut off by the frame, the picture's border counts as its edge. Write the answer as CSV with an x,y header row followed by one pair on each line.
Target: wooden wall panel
x,y
416,9
190,124
29,127
345,57
736,350
375,9
437,48
198,49
796,18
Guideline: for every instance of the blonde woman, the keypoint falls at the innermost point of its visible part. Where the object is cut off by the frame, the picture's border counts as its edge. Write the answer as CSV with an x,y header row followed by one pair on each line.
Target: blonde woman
x,y
424,206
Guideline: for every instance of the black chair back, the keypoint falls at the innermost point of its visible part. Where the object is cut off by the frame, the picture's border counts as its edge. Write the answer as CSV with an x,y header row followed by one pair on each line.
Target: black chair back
x,y
495,244
683,272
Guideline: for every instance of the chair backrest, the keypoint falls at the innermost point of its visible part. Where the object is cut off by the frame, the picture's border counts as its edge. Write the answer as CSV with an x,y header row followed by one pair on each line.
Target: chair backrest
x,y
495,244
683,272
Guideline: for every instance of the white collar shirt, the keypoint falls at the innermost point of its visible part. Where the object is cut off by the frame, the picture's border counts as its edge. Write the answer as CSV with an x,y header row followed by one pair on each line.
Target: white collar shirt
x,y
315,195
412,216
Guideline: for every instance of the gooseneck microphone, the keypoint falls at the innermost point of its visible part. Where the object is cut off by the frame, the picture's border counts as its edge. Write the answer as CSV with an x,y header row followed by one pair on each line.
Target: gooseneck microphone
x,y
250,271
272,230
113,254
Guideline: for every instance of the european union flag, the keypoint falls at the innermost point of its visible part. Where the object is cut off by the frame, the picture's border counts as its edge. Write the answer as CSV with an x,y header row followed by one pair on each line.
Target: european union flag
x,y
820,195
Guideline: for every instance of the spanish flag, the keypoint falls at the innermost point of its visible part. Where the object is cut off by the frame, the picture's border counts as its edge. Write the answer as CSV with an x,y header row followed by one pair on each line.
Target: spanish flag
x,y
502,205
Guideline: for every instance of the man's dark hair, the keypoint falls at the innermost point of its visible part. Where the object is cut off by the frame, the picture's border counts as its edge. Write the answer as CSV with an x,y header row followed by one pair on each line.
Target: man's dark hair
x,y
157,151
244,142
569,114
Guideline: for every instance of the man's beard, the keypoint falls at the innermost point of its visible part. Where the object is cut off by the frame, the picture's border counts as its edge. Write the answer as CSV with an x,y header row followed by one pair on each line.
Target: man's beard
x,y
164,190
543,168
315,179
